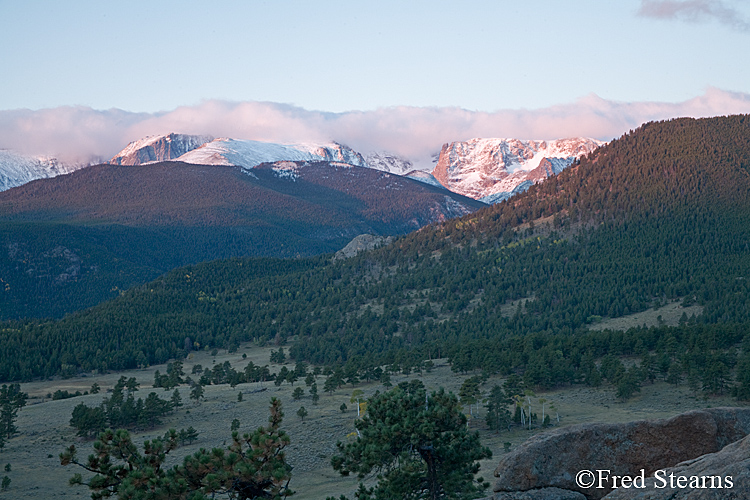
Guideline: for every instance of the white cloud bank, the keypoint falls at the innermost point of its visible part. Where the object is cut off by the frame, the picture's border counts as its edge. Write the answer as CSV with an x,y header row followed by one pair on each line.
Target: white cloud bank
x,y
78,133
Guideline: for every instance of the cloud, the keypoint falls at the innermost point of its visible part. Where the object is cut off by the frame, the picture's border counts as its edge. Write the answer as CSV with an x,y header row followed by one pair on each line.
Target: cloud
x,y
79,133
695,11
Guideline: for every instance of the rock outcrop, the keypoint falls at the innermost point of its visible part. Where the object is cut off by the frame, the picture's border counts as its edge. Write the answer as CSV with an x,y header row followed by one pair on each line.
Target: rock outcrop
x,y
541,494
726,473
360,244
482,167
554,458
158,148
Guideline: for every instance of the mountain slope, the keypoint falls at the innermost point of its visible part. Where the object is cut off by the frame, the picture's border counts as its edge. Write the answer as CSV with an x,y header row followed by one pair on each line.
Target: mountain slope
x,y
479,168
16,169
205,150
123,225
660,214
388,162
158,148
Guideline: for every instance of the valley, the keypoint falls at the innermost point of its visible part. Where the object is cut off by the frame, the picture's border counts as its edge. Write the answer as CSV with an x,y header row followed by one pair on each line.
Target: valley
x,y
615,290
44,428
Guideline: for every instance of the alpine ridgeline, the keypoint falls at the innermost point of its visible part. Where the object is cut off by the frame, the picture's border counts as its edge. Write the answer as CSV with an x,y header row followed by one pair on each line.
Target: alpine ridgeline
x,y
491,169
488,169
17,169
159,148
660,215
204,150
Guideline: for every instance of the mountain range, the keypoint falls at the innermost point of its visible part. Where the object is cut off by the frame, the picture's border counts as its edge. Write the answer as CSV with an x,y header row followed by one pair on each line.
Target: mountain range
x,y
487,169
659,215
176,199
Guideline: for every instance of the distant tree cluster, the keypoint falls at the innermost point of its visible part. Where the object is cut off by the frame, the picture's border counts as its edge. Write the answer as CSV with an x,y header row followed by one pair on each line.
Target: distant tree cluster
x,y
224,373
122,410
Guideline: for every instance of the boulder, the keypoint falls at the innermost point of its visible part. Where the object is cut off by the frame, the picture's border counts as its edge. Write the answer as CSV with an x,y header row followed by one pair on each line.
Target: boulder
x,y
553,459
541,494
722,475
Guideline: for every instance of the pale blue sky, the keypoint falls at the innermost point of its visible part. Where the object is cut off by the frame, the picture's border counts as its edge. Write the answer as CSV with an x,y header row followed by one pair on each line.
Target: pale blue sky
x,y
350,55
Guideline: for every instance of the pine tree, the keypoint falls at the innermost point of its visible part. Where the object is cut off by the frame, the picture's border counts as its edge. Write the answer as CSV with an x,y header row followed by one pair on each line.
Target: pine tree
x,y
498,416
330,385
11,400
196,393
253,466
176,400
469,393
174,375
153,408
189,435
157,380
428,455
88,421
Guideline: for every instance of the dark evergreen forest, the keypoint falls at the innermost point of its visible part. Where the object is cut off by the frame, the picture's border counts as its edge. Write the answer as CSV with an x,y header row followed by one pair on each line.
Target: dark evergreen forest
x,y
74,241
659,214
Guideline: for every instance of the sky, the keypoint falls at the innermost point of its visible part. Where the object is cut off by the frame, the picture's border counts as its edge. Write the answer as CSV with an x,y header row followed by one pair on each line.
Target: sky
x,y
87,77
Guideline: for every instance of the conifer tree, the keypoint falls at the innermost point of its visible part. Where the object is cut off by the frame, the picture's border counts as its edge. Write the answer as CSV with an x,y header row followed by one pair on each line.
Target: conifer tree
x,y
302,412
428,455
498,415
12,399
176,400
252,466
196,393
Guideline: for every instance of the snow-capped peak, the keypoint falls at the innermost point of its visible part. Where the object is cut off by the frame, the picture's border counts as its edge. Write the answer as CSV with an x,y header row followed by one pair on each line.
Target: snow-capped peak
x,y
482,167
158,148
17,169
248,154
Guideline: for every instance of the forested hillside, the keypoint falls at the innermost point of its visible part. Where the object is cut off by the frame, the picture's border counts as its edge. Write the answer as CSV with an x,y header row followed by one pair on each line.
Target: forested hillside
x,y
657,215
76,240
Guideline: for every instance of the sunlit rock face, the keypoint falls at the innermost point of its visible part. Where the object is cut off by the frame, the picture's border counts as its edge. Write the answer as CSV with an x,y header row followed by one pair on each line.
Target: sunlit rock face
x,y
480,168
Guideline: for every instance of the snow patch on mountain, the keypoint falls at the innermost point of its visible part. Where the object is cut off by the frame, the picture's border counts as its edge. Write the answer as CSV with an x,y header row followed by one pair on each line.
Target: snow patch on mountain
x,y
388,162
248,154
286,170
482,167
17,169
426,177
158,148
504,195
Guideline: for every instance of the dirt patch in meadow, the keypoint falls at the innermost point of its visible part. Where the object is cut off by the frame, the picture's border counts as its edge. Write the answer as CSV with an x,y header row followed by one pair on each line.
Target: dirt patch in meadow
x,y
669,315
44,430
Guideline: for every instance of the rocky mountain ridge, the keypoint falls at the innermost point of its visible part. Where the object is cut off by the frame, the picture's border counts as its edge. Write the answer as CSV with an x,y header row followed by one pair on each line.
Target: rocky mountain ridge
x,y
480,168
205,150
489,170
17,169
159,148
